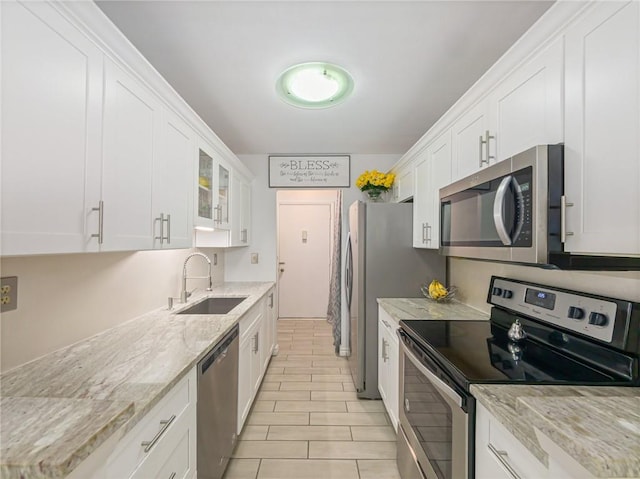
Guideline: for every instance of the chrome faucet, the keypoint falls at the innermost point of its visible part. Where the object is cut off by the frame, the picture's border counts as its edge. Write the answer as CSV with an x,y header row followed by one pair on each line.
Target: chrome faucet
x,y
184,294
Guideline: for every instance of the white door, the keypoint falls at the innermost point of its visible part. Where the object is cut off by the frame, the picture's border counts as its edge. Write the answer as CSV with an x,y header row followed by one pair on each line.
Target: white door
x,y
304,251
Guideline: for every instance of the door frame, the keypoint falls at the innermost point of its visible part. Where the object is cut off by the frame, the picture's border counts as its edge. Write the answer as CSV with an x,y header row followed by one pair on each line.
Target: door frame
x,y
303,197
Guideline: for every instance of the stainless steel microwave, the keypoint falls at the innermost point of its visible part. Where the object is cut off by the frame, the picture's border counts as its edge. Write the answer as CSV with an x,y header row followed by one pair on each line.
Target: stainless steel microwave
x,y
509,211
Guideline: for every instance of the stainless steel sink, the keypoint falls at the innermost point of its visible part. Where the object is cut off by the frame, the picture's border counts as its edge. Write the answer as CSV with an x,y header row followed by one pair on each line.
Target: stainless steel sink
x,y
214,306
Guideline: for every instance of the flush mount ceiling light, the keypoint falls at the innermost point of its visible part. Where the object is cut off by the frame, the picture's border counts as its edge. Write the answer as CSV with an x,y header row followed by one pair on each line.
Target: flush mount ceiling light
x,y
314,85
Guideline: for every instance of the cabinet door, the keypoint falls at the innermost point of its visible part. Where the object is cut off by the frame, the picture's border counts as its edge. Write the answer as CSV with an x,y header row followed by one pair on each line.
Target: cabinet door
x,y
468,132
245,231
204,201
393,383
131,128
236,210
528,104
173,185
602,121
221,193
421,202
403,187
51,126
245,396
439,155
383,372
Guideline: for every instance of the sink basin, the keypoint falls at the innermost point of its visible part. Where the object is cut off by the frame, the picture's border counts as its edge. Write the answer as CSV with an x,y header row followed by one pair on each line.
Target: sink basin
x,y
214,306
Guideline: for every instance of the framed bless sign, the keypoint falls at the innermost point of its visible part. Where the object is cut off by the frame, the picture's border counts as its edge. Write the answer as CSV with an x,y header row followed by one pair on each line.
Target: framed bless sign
x,y
309,171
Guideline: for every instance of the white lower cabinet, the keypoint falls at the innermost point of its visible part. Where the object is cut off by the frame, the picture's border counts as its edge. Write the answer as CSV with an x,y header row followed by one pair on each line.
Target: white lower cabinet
x,y
388,364
256,344
163,443
499,455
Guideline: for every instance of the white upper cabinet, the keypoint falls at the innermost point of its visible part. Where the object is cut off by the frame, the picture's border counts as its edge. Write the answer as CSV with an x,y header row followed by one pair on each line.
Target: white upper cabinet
x,y
51,127
528,104
602,125
132,118
433,171
403,184
473,143
172,184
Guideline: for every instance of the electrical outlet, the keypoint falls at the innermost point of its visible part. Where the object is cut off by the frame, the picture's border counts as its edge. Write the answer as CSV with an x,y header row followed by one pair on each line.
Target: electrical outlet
x,y
8,293
254,258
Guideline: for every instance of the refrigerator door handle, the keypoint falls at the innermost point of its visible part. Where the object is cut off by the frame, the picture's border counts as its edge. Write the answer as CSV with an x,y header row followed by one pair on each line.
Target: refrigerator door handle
x,y
348,271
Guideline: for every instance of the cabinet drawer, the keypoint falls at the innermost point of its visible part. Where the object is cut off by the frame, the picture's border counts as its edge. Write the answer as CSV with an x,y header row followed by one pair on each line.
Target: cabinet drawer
x,y
174,457
505,448
248,320
159,424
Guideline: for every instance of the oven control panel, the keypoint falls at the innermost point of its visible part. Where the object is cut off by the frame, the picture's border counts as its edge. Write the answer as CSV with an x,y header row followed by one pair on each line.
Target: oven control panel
x,y
593,317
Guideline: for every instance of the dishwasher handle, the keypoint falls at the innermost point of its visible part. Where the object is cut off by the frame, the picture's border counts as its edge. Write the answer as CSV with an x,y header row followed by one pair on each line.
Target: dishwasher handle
x,y
219,351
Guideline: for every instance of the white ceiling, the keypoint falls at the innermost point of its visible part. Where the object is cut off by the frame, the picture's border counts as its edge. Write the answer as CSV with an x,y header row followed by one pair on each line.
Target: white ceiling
x,y
411,60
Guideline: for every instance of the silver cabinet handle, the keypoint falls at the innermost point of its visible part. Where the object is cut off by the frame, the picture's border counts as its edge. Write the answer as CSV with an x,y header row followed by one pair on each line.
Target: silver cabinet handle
x,y
428,230
563,219
485,141
503,458
385,344
168,220
160,219
271,300
100,233
165,423
256,338
424,233
172,476
385,323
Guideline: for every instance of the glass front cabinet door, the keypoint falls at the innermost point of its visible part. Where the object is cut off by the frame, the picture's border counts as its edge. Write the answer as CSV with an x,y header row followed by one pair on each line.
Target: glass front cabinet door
x,y
205,204
213,191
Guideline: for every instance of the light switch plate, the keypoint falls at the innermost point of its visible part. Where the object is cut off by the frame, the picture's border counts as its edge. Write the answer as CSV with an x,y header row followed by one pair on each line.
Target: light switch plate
x,y
8,293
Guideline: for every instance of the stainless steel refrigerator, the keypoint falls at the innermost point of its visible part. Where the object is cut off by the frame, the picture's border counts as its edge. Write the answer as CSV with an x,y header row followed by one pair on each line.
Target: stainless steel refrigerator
x,y
381,263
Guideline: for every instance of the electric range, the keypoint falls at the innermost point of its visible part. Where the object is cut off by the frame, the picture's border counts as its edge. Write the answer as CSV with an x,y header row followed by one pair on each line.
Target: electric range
x,y
536,334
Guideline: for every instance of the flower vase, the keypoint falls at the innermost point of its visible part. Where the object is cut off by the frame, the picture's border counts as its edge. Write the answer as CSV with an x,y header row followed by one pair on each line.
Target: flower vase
x,y
374,195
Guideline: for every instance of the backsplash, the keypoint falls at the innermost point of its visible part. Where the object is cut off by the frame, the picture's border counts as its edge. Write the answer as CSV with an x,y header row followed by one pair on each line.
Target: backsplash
x,y
472,279
66,298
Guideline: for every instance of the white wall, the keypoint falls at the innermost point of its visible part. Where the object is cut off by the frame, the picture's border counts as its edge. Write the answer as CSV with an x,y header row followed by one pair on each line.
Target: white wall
x,y
263,216
238,265
65,298
472,279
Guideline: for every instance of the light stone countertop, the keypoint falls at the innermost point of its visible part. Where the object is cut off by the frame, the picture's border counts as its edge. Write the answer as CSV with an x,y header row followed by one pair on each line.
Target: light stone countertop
x,y
58,409
423,308
568,414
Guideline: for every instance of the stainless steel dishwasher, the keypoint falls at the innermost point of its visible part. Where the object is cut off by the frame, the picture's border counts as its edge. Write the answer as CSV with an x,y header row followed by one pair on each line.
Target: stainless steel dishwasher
x,y
217,407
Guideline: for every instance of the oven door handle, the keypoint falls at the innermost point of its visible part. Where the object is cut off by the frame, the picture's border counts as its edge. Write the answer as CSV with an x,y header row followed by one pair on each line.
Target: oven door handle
x,y
436,381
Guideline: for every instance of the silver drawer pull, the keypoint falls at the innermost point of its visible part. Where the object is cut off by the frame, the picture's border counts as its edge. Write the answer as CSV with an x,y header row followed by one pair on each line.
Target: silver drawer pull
x,y
165,423
172,476
503,458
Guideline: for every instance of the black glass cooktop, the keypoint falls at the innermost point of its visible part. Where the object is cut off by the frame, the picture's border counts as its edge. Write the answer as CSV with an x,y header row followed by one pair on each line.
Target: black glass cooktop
x,y
481,352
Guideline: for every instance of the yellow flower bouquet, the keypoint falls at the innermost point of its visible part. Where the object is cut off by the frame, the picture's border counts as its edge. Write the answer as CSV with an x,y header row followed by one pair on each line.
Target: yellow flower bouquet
x,y
374,182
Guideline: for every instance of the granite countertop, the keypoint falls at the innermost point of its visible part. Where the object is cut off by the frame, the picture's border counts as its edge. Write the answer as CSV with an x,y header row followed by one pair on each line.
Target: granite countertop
x,y
598,426
423,308
58,409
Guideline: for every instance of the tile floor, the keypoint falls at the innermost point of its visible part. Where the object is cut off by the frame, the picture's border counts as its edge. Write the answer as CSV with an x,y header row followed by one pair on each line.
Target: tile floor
x,y
307,423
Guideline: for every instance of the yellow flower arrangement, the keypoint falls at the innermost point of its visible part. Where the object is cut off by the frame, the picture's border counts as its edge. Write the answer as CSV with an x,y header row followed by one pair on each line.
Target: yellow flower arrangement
x,y
375,180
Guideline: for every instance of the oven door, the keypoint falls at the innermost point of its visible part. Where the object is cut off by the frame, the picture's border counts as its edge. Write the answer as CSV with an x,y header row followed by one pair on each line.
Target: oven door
x,y
434,428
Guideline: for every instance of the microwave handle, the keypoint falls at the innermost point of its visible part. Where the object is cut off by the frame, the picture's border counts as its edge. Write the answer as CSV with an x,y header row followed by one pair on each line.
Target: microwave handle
x,y
498,204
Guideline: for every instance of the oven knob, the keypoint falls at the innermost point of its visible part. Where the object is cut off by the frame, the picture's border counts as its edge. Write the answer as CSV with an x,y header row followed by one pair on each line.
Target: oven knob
x,y
497,291
507,294
575,312
598,319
